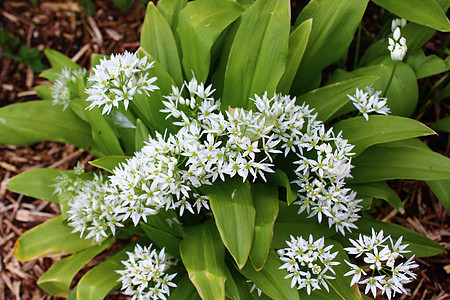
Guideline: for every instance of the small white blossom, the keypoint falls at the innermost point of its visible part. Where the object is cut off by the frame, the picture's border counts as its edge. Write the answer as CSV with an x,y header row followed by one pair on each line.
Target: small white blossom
x,y
368,101
64,88
397,46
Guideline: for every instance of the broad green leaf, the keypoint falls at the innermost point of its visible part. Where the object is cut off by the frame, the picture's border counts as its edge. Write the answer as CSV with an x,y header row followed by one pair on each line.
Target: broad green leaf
x,y
123,5
185,290
203,255
425,66
142,135
379,190
110,162
102,279
232,205
424,12
56,280
36,121
297,45
327,100
51,237
279,178
170,9
163,239
379,129
235,286
158,40
334,25
442,125
44,91
258,55
441,189
406,159
419,245
168,221
271,279
290,223
59,60
199,31
403,92
265,200
37,183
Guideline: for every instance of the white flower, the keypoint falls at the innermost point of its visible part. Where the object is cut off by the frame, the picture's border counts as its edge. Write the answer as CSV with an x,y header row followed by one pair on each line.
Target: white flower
x,y
64,88
144,275
368,101
397,46
308,263
397,23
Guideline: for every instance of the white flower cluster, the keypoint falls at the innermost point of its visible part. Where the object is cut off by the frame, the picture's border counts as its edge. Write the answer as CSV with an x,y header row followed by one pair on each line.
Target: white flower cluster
x,y
118,79
309,263
61,91
383,270
397,46
144,275
368,101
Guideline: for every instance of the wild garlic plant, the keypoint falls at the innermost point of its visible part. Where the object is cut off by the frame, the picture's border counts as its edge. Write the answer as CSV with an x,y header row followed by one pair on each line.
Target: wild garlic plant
x,y
220,176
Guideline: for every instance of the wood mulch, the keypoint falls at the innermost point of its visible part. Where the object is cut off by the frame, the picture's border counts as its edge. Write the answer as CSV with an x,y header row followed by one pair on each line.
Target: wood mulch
x,y
65,26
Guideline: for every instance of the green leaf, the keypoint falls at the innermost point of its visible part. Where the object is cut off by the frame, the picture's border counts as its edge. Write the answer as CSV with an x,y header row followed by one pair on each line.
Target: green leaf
x,y
379,129
123,5
170,9
158,40
142,135
199,31
185,290
236,286
334,25
37,183
380,190
110,162
441,189
424,12
36,121
163,239
329,99
406,159
419,245
232,205
203,255
403,92
442,125
44,91
265,200
271,279
59,60
290,223
258,55
102,279
297,45
279,178
425,66
56,280
51,237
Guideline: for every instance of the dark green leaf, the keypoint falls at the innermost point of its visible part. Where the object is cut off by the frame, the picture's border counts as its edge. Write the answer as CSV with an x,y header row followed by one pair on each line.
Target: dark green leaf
x,y
442,125
163,239
379,190
441,189
425,66
110,162
279,178
185,290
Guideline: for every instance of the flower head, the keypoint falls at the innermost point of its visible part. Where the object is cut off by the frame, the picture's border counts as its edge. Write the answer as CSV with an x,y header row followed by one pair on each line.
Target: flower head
x,y
368,101
63,89
397,46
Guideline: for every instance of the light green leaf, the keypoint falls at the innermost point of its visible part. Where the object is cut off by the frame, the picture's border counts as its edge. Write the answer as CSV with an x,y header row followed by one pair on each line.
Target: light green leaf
x,y
158,40
424,12
110,162
406,159
419,245
258,55
379,129
265,200
44,91
442,125
170,9
441,189
51,237
102,279
271,279
185,290
203,255
297,45
56,280
290,223
327,100
425,66
59,60
36,121
334,25
37,183
379,190
199,25
96,58
279,178
142,135
232,205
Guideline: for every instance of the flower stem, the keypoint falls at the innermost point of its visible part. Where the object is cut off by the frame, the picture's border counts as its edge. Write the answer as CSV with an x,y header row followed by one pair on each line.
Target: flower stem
x,y
390,78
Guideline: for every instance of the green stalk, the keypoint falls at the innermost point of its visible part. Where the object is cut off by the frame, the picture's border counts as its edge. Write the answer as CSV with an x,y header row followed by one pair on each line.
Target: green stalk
x,y
390,78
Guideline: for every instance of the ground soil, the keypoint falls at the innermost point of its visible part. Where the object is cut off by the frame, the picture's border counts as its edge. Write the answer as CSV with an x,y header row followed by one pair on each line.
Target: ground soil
x,y
68,27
